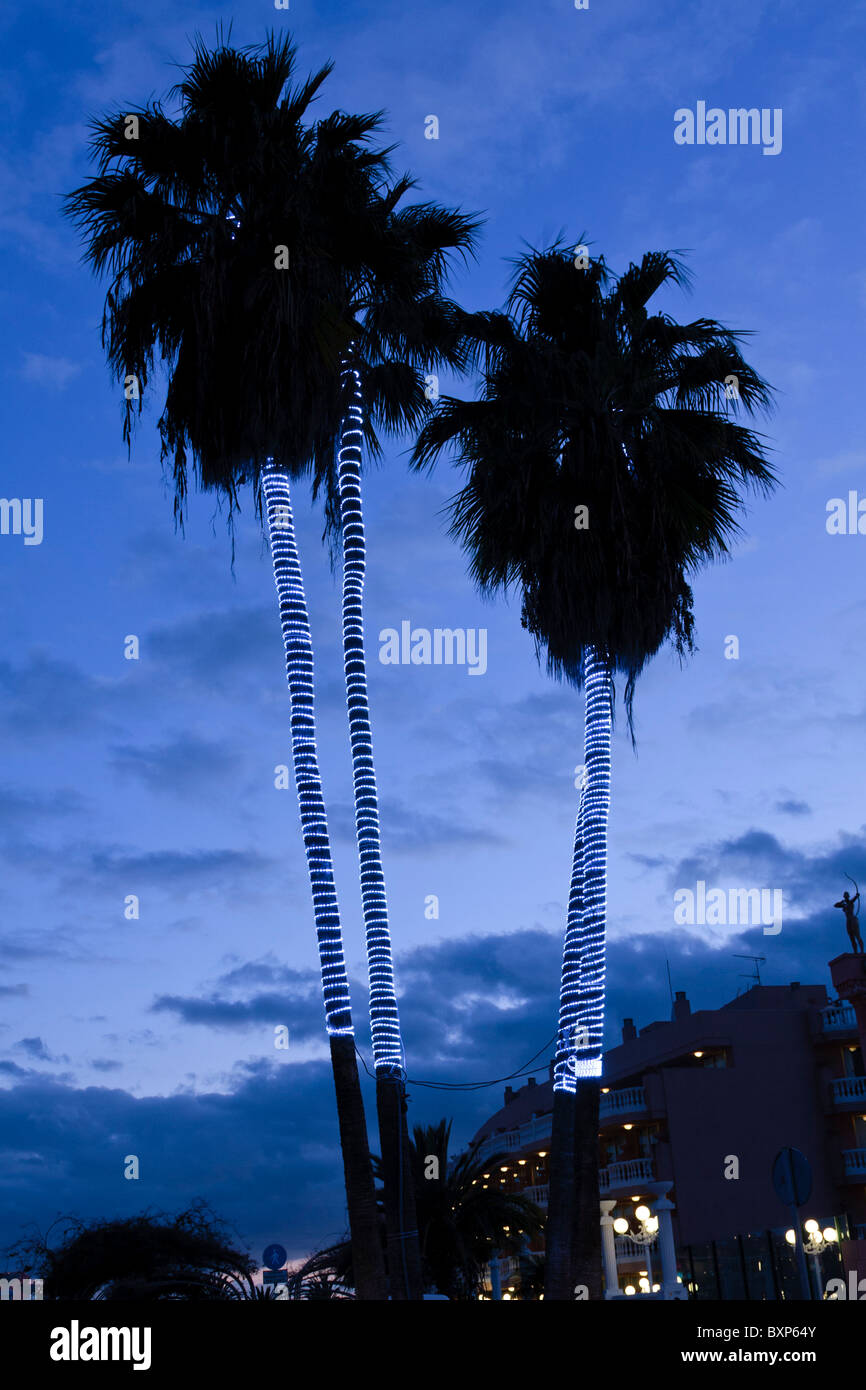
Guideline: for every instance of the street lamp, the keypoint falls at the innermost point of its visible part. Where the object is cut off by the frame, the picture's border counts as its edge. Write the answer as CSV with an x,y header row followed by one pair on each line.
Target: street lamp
x,y
815,1246
644,1235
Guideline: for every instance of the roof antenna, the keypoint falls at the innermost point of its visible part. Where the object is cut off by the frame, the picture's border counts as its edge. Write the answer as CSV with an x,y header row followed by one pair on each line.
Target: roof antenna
x,y
759,961
670,986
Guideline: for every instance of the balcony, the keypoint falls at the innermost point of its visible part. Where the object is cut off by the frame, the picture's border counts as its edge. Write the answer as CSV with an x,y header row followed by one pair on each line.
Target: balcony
x,y
855,1164
537,1194
628,1175
535,1131
628,1249
849,1092
839,1018
629,1101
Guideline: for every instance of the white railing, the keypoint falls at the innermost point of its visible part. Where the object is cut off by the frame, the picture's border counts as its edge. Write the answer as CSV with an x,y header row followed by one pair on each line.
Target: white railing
x,y
535,1131
537,1194
628,1174
848,1088
838,1017
617,1102
628,1249
855,1161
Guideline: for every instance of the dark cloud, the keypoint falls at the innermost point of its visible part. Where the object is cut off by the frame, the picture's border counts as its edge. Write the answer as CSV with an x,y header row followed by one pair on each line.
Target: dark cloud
x,y
759,859
184,765
8,991
265,1154
791,807
303,1018
105,1064
265,1151
406,830
215,649
45,698
34,1047
19,807
178,871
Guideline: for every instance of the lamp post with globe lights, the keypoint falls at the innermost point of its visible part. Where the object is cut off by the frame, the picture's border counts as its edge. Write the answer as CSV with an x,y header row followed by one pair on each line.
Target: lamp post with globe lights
x,y
645,1235
817,1243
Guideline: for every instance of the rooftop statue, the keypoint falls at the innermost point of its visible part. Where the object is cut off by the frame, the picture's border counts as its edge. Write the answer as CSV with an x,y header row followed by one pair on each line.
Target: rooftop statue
x,y
849,906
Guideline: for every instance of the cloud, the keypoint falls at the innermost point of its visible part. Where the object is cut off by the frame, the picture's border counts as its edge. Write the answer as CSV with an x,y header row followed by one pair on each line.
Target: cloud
x,y
9,991
24,807
34,1047
56,372
294,999
180,871
406,830
266,1155
184,765
792,807
49,698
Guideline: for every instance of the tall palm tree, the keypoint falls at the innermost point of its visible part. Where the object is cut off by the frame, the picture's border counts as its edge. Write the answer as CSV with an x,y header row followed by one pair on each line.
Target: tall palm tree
x,y
408,331
191,220
252,252
590,401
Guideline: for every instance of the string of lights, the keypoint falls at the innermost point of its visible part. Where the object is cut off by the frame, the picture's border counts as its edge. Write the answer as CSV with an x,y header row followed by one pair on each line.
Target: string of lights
x,y
596,806
298,644
384,1017
568,1037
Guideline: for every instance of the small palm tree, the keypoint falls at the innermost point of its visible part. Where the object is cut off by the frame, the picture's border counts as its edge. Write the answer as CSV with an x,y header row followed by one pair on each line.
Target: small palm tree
x,y
464,1220
604,468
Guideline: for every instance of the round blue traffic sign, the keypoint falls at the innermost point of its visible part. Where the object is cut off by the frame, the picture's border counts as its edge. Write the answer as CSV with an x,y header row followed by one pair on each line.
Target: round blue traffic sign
x,y
792,1177
274,1256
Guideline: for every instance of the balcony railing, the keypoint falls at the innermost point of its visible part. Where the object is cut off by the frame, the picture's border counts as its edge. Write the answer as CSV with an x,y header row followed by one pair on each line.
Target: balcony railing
x,y
628,1174
628,1249
839,1018
535,1131
855,1162
630,1098
537,1194
849,1090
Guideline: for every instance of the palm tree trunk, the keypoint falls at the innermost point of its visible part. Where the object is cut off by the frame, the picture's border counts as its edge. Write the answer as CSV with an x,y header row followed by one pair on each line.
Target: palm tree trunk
x,y
404,1259
558,1281
597,750
573,1232
586,1234
297,640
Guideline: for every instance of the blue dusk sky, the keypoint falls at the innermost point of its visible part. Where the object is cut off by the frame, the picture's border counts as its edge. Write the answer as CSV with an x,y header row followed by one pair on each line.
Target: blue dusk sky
x,y
155,777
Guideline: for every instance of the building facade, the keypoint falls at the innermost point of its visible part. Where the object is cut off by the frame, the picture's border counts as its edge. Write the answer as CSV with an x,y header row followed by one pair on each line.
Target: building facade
x,y
705,1101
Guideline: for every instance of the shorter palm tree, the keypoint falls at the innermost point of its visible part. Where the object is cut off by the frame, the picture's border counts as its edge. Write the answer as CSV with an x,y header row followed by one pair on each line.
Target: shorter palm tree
x,y
462,1220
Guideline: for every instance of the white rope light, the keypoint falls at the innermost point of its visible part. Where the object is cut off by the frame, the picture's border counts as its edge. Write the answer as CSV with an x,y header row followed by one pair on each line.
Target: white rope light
x,y
298,644
384,1017
580,1040
565,1061
596,806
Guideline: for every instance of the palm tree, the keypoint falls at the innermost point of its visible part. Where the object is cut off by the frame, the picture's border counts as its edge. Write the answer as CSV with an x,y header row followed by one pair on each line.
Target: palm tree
x,y
604,468
229,238
464,1220
409,330
188,227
